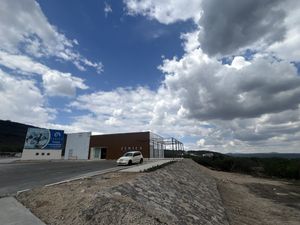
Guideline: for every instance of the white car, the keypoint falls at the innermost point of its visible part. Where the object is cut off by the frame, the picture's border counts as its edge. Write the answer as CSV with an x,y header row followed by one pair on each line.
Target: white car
x,y
130,158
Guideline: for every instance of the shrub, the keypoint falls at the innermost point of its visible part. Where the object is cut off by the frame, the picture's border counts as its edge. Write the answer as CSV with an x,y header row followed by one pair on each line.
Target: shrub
x,y
275,167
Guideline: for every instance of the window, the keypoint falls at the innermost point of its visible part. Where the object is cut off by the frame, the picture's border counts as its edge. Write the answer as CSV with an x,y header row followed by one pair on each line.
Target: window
x,y
128,154
43,153
137,153
48,153
36,153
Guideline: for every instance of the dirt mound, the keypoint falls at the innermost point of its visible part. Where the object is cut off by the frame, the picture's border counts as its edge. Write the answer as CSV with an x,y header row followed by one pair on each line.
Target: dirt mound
x,y
176,194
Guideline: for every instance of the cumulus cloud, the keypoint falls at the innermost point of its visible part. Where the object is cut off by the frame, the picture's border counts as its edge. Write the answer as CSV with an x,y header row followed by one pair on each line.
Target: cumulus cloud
x,y
22,101
289,48
269,131
239,62
210,90
134,109
228,26
190,40
168,11
248,105
253,107
55,83
117,110
24,28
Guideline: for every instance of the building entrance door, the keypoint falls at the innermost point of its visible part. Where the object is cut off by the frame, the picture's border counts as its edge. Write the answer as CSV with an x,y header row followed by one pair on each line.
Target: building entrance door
x,y
103,153
97,153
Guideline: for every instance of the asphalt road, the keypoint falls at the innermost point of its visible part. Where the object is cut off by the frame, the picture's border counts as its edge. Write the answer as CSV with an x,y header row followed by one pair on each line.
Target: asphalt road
x,y
19,176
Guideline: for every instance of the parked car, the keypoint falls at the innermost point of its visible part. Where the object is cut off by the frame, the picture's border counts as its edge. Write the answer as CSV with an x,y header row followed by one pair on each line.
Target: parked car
x,y
130,158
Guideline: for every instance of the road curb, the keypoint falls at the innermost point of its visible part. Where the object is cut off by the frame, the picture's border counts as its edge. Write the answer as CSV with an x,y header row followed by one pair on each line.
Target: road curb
x,y
84,176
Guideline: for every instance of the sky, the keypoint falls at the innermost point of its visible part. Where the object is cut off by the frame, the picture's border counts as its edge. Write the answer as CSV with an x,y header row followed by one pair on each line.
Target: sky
x,y
217,75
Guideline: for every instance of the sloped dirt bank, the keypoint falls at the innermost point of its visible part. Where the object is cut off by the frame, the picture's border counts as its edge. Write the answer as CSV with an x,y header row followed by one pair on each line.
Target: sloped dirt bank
x,y
249,200
176,194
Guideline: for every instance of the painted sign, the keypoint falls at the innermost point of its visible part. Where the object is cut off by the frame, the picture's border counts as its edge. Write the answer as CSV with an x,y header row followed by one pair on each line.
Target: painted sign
x,y
38,138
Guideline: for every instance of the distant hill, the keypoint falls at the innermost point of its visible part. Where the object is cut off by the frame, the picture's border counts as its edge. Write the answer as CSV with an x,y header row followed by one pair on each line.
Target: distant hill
x,y
266,155
247,155
12,136
201,152
173,154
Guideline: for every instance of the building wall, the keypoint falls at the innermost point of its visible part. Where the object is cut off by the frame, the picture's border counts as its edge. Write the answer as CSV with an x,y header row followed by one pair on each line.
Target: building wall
x,y
40,154
118,144
77,145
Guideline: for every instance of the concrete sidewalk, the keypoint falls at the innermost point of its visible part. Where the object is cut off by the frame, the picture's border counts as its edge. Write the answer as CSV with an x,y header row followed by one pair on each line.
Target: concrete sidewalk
x,y
13,212
147,165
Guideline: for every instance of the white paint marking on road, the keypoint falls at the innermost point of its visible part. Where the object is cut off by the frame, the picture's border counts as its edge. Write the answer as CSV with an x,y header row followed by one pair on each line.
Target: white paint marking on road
x,y
19,192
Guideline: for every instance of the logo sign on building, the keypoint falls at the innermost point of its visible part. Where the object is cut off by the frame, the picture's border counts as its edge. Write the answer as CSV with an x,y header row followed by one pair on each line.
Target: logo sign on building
x,y
37,138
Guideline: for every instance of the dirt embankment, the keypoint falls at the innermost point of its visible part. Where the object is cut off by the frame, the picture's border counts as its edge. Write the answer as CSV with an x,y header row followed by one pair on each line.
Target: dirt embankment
x,y
176,194
249,200
181,193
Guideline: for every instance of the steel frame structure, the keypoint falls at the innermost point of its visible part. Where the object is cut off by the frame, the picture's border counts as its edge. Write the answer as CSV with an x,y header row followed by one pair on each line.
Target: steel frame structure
x,y
170,143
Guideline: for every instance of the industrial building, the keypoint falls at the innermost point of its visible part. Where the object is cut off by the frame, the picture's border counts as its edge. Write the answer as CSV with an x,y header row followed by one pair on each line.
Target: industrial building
x,y
51,144
113,146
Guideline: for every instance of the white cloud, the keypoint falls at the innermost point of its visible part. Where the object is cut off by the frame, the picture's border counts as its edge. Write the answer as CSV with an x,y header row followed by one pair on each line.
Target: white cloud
x,y
209,90
196,100
107,9
240,102
23,26
250,105
239,62
61,84
201,142
228,27
191,41
55,83
139,109
22,101
120,109
168,11
289,48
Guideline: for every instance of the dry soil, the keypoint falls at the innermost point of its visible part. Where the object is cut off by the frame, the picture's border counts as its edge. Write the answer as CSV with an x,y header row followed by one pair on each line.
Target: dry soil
x,y
181,193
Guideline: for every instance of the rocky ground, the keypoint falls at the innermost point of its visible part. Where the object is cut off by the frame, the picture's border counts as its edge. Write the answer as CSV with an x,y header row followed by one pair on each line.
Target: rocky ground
x,y
176,194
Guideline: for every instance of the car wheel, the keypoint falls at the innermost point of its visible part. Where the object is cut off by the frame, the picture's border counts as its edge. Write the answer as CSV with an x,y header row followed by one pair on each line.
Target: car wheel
x,y
141,161
129,163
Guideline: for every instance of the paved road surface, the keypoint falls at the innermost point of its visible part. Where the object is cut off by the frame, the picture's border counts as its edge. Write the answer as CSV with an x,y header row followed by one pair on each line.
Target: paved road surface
x,y
18,176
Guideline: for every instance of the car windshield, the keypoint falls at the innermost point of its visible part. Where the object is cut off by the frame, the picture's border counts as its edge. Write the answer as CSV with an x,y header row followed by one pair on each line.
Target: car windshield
x,y
128,154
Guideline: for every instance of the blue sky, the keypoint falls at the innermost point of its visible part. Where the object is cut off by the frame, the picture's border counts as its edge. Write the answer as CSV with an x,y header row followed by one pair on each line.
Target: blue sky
x,y
119,41
221,76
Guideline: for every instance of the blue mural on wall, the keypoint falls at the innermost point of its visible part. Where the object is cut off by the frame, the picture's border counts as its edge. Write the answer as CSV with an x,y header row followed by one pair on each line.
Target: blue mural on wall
x,y
38,138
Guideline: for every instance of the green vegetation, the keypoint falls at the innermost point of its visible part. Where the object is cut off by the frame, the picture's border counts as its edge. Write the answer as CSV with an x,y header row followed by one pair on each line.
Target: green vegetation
x,y
274,167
